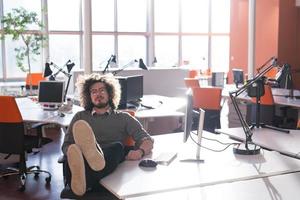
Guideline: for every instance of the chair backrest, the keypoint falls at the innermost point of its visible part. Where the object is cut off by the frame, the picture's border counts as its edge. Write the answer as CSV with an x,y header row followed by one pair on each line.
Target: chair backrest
x,y
218,79
35,79
191,82
11,126
267,98
193,73
207,98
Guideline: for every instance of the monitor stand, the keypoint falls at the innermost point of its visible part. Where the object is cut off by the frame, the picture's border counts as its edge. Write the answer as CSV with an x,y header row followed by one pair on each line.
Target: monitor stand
x,y
50,107
199,134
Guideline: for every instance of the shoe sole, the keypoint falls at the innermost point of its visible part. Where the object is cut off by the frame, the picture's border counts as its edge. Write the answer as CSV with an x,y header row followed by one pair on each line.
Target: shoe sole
x,y
76,165
84,137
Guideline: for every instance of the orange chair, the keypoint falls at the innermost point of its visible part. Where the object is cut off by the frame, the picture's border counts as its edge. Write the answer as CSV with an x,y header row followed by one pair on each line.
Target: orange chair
x,y
209,99
34,79
193,73
266,109
191,82
13,140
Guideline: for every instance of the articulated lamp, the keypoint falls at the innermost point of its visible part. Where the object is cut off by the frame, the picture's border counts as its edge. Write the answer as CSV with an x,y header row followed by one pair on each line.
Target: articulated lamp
x,y
110,61
249,148
141,65
52,76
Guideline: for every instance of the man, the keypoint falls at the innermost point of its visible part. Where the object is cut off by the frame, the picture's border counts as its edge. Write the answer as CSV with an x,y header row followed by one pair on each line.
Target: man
x,y
93,143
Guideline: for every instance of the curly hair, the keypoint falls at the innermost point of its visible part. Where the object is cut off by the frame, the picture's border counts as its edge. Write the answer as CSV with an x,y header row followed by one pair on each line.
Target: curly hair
x,y
112,86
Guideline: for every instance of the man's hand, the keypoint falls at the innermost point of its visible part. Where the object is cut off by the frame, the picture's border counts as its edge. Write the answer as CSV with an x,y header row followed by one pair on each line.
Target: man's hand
x,y
134,155
147,146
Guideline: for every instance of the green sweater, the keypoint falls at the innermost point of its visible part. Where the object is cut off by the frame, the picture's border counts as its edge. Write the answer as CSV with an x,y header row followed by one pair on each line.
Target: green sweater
x,y
115,126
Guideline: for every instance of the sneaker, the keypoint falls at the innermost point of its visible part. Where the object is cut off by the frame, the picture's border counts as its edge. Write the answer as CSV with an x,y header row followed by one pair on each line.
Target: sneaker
x,y
76,165
84,137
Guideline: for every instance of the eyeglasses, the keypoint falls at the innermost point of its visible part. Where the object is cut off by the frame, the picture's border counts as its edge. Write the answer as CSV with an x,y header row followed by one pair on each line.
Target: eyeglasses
x,y
97,91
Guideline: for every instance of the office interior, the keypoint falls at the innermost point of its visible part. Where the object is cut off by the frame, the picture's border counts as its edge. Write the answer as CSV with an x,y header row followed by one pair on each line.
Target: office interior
x,y
254,33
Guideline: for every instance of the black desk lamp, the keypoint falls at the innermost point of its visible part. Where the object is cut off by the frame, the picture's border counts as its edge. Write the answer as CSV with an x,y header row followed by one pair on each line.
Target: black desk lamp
x,y
249,148
49,72
112,59
141,65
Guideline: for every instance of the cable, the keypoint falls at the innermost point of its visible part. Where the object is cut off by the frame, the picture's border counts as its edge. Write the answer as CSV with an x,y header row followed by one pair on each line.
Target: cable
x,y
227,144
215,140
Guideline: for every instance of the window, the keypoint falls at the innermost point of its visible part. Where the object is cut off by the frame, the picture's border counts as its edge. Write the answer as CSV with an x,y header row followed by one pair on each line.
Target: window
x,y
195,33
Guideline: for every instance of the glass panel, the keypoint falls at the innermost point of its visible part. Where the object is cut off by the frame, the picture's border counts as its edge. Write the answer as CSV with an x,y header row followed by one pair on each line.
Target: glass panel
x,y
132,15
166,15
103,15
195,51
103,48
12,69
195,16
166,51
128,52
64,15
220,16
220,53
29,5
64,47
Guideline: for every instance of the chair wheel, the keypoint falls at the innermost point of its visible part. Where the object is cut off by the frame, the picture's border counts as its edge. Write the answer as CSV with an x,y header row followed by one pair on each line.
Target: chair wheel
x,y
48,179
36,175
22,188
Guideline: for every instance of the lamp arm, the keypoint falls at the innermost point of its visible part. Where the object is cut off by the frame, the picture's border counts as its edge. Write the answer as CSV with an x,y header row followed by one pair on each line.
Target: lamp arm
x,y
107,64
67,87
60,69
125,66
272,58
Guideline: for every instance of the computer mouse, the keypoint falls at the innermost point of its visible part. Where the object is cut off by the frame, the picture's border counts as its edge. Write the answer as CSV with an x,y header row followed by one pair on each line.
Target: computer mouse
x,y
62,115
148,163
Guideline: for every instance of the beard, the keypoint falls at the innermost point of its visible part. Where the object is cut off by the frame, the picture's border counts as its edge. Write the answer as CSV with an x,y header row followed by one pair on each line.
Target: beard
x,y
101,105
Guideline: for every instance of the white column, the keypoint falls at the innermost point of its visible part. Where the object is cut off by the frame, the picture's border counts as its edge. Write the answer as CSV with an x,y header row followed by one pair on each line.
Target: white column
x,y
87,37
251,38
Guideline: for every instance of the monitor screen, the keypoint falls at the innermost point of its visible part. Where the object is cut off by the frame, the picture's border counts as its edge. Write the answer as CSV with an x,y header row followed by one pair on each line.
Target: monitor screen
x,y
238,76
189,122
189,112
131,90
51,93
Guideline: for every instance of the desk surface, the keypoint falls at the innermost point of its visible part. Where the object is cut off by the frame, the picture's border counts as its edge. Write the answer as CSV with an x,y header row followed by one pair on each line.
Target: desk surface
x,y
129,180
162,106
282,142
31,111
283,187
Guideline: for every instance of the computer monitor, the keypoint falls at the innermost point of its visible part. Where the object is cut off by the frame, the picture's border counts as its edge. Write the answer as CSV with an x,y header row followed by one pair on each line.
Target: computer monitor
x,y
188,125
131,91
238,76
51,94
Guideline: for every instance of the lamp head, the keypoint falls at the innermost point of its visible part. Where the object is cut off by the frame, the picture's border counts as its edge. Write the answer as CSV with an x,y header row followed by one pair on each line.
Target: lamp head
x,y
142,64
48,70
70,66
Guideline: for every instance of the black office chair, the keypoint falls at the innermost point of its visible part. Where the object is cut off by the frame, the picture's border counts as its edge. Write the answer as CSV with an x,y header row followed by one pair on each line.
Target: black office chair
x,y
14,141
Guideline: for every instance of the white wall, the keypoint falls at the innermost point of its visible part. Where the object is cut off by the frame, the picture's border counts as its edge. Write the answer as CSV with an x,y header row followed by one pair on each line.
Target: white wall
x,y
159,81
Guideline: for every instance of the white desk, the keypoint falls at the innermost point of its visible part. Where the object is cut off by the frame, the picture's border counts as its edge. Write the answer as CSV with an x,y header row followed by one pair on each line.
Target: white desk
x,y
278,141
283,187
32,112
284,92
129,180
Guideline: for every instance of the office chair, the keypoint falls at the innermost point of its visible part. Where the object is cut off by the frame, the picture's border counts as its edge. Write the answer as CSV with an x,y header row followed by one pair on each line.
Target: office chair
x,y
35,79
208,99
13,140
191,82
193,73
266,108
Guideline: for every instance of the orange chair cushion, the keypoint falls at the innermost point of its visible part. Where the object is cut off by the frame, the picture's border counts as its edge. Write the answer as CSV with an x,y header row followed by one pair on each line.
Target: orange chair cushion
x,y
35,78
267,98
191,82
193,73
207,98
9,111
